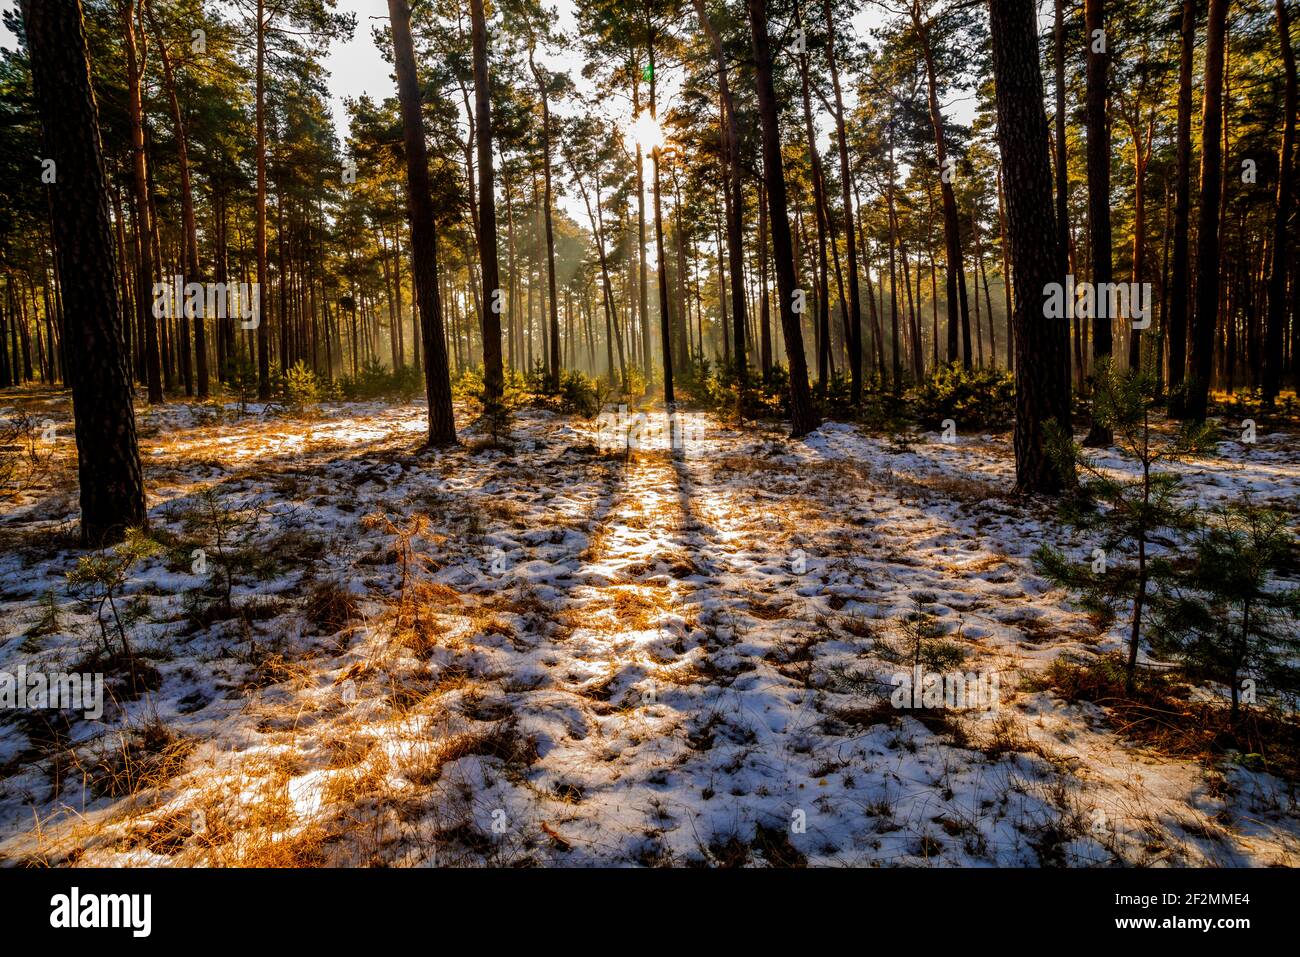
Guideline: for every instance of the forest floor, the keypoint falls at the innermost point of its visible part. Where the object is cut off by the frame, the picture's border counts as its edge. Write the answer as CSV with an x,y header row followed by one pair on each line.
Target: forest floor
x,y
566,652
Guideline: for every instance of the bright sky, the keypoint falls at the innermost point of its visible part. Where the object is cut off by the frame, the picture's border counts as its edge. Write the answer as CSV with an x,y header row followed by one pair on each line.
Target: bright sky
x,y
357,67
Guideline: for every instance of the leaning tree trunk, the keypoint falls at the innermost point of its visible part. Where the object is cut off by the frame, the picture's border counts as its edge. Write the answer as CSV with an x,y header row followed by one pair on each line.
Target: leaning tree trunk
x,y
493,374
108,460
424,239
191,237
1207,239
803,419
1274,352
1042,343
1098,60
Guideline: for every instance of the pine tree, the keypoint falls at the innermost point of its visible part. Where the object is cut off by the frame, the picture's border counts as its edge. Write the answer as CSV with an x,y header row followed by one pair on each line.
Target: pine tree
x,y
1206,318
424,236
1042,360
1226,619
493,376
108,459
1126,511
803,418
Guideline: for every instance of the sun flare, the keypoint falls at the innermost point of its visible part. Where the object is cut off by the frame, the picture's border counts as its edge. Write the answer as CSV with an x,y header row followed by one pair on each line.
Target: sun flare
x,y
646,132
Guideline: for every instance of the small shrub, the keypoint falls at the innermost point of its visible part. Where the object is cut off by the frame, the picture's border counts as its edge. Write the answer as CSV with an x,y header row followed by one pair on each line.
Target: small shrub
x,y
241,375
919,640
227,529
1226,619
1142,508
375,381
301,388
973,398
582,395
97,582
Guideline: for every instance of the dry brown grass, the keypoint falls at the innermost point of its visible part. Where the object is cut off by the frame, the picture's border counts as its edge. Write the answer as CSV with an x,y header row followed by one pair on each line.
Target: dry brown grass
x,y
769,611
943,485
330,607
1160,714
503,740
136,760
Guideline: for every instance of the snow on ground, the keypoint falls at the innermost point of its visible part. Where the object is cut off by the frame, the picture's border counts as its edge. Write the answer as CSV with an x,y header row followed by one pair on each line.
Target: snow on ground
x,y
568,652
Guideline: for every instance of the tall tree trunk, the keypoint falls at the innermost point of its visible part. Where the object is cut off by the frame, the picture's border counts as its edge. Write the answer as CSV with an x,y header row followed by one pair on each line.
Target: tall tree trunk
x,y
553,356
1042,358
1176,322
424,236
1142,146
108,459
803,419
764,295
259,241
823,318
1062,145
1275,350
955,283
661,268
189,225
733,188
851,247
896,368
493,374
643,275
140,194
1207,238
1098,65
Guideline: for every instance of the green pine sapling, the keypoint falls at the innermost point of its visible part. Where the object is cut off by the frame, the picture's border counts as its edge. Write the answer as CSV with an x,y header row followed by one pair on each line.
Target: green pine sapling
x,y
227,528
1130,511
97,582
921,641
1226,619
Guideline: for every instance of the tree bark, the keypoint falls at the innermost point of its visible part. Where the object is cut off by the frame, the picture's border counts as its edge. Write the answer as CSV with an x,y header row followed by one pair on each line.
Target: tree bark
x,y
1176,321
1274,350
1205,319
1098,65
108,459
803,419
424,237
493,373
1042,359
